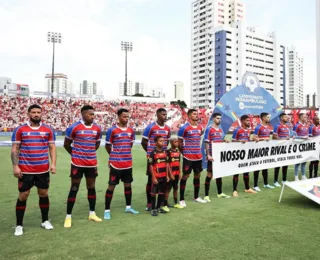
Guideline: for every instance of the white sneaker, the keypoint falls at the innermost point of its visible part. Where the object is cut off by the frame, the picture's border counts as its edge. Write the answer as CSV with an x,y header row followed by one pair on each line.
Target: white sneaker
x,y
304,178
183,203
199,200
296,178
284,182
256,188
47,225
276,184
268,186
18,231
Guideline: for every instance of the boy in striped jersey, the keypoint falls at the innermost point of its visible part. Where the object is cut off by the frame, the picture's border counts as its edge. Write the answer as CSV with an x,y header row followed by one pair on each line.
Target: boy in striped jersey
x,y
30,161
85,136
119,141
314,130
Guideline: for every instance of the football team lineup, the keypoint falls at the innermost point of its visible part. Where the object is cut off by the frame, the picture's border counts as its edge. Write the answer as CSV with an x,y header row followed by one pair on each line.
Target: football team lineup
x,y
33,143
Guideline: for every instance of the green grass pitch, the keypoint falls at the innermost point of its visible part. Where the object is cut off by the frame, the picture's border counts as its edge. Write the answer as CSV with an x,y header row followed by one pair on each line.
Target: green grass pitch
x,y
248,227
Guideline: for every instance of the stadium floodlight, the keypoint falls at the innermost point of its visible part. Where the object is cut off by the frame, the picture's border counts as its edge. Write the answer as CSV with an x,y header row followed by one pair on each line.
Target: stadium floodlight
x,y
53,37
126,46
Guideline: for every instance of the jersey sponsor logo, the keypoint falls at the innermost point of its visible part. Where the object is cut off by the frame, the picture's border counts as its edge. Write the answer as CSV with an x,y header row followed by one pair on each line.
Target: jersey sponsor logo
x,y
42,133
194,132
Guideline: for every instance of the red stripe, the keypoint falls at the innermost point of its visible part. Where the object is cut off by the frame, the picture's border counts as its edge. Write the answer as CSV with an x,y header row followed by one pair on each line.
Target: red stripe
x,y
127,192
196,185
207,183
71,199
182,187
43,206
91,196
109,195
20,207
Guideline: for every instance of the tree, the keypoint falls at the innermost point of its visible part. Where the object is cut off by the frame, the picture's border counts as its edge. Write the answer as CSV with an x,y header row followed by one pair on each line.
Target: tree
x,y
138,95
180,103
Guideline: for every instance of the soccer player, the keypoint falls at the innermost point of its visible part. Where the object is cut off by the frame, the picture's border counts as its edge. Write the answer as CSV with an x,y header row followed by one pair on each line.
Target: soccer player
x,y
159,175
158,128
262,133
281,132
314,130
301,131
30,161
213,134
190,147
119,141
174,174
85,136
242,134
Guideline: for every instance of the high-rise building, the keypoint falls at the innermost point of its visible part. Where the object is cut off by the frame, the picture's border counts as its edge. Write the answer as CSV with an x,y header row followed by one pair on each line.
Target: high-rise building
x,y
129,89
70,88
60,83
138,88
223,49
311,100
88,88
318,47
178,90
295,78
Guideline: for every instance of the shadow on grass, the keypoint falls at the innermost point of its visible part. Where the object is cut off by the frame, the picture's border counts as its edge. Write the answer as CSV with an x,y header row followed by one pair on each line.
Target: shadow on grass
x,y
300,202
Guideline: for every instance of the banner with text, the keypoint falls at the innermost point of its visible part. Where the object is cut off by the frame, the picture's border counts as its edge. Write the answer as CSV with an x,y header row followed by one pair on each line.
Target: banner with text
x,y
234,158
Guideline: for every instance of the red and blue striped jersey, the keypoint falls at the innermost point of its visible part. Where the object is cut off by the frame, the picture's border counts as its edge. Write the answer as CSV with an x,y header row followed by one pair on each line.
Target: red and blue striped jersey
x,y
314,130
241,134
154,130
34,143
214,135
191,136
84,143
301,130
262,131
121,140
282,131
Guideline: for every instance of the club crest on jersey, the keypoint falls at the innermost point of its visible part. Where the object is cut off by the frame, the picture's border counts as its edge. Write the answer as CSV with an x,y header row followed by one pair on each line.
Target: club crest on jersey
x,y
94,132
158,161
173,159
28,133
42,133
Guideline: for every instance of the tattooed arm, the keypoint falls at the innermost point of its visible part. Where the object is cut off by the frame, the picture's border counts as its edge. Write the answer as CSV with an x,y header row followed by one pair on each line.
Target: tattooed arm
x,y
15,150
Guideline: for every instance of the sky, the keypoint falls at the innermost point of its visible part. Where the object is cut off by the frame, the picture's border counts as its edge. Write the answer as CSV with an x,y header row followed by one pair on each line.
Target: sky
x,y
160,31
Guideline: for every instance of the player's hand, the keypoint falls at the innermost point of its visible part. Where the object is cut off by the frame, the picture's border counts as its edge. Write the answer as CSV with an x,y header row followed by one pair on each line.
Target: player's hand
x,y
172,177
180,177
227,141
209,158
53,169
288,138
17,171
243,141
155,181
168,178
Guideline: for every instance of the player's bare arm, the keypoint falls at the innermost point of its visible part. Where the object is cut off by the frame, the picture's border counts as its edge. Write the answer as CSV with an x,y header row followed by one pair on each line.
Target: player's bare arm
x,y
209,157
154,179
180,145
108,148
144,144
15,150
98,145
67,145
53,156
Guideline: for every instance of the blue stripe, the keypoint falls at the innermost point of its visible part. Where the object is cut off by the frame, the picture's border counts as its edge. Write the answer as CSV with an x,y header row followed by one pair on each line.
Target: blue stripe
x,y
122,140
35,141
84,144
83,150
23,162
33,148
83,157
34,134
121,153
122,146
192,146
119,159
33,155
192,152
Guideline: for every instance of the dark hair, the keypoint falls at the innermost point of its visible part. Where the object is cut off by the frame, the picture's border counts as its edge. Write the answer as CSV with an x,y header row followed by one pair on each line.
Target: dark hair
x,y
157,137
160,110
190,111
301,114
244,117
122,110
87,107
282,114
34,106
215,115
263,114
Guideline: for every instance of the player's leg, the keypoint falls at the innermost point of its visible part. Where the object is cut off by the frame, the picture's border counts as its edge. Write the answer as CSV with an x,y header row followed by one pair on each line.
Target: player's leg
x,y
148,188
296,172
316,167
91,175
265,179
161,192
235,181
311,167
303,170
183,182
175,185
114,177
126,177
168,188
153,194
25,183
255,180
76,176
42,182
284,173
219,189
246,184
276,176
197,169
207,182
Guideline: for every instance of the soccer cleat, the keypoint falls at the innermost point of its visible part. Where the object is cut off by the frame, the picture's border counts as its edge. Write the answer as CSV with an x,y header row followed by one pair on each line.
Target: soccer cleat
x,y
183,203
166,209
256,188
162,211
222,195
276,184
149,207
235,194
296,178
199,200
47,225
18,231
170,205
207,199
304,178
154,212
250,191
67,223
132,211
268,186
178,206
94,218
107,215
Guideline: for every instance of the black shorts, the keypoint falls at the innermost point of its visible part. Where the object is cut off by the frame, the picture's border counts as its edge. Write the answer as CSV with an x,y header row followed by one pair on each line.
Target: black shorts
x,y
116,175
27,181
160,187
148,171
173,183
78,172
188,166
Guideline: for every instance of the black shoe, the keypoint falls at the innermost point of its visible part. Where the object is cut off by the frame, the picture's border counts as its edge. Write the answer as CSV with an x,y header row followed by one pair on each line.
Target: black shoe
x,y
162,211
149,207
154,213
